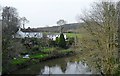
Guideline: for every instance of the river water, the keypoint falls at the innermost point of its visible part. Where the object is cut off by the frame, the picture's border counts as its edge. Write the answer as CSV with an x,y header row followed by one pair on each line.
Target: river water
x,y
56,66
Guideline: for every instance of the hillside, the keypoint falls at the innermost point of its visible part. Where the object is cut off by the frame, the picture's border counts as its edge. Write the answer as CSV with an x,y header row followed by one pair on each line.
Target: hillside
x,y
67,28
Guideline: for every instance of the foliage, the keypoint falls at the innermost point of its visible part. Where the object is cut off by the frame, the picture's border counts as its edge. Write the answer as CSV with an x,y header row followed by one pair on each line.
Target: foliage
x,y
35,45
52,43
62,42
49,50
10,46
67,51
35,49
118,8
57,40
70,41
10,21
10,24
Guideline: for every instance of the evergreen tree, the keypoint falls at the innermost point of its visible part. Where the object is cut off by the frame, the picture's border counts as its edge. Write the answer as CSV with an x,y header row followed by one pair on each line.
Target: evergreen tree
x,y
62,42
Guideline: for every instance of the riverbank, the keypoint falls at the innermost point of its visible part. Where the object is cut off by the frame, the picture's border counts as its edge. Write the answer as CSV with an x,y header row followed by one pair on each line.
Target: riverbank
x,y
62,65
20,63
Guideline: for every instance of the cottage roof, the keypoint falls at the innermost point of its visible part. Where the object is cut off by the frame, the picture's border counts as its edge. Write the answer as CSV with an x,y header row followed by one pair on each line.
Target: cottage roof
x,y
29,30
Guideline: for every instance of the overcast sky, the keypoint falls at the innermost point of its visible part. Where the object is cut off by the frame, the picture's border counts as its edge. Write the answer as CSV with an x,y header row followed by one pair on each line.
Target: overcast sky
x,y
43,13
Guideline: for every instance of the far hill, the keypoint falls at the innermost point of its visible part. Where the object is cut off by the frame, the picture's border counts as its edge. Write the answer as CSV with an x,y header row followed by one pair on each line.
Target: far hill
x,y
67,28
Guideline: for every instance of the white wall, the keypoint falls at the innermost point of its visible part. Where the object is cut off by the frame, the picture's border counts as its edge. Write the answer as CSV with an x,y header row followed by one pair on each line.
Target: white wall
x,y
21,34
53,37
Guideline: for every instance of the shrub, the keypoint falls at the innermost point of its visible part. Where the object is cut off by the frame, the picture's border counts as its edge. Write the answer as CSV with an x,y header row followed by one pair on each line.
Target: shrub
x,y
52,43
62,42
70,41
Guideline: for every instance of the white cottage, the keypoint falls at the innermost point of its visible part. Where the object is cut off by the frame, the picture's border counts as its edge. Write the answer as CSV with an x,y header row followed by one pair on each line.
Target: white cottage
x,y
30,34
54,36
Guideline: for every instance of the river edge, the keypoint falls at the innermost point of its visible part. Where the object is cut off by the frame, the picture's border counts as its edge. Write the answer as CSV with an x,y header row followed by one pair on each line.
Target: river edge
x,y
36,61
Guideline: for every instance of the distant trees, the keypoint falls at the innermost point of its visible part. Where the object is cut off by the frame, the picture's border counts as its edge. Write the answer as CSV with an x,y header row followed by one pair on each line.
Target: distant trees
x,y
10,21
23,21
100,43
60,23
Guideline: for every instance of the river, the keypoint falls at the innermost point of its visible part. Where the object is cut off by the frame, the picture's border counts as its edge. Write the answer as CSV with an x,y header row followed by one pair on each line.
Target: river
x,y
65,65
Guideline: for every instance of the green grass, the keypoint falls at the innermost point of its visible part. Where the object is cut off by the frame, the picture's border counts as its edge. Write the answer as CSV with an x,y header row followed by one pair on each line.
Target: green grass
x,y
39,56
19,61
73,35
48,50
58,50
70,35
66,51
24,60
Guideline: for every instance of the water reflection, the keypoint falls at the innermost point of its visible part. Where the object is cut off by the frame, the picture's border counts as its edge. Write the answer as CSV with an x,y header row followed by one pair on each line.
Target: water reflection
x,y
56,66
71,68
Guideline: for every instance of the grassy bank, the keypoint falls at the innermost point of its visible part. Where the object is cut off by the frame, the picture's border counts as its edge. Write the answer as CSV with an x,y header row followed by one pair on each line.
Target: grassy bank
x,y
46,54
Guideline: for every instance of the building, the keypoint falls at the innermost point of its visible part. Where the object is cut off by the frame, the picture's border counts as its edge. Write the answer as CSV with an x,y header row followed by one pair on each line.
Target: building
x,y
54,36
28,33
31,33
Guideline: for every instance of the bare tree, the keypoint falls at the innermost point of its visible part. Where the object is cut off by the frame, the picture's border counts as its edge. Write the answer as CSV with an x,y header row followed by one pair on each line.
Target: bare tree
x,y
23,21
100,43
60,23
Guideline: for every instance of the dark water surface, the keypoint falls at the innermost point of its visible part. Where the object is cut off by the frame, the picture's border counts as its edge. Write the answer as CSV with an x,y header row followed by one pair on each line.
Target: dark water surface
x,y
56,66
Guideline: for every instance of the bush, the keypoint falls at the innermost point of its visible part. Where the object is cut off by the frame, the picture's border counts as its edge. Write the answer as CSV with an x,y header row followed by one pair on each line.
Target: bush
x,y
35,49
57,41
70,41
62,42
52,43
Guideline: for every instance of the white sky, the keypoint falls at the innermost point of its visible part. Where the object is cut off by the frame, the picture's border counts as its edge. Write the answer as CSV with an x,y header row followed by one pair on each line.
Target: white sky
x,y
41,13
